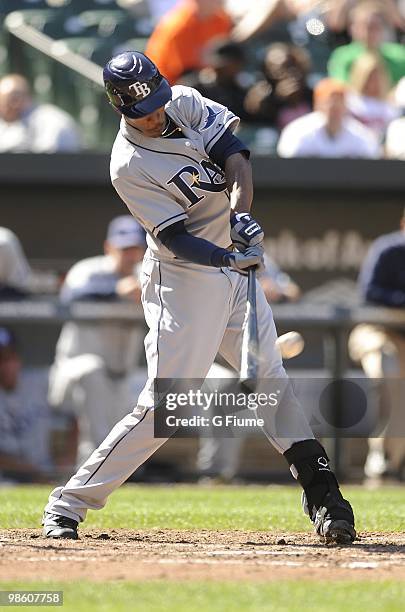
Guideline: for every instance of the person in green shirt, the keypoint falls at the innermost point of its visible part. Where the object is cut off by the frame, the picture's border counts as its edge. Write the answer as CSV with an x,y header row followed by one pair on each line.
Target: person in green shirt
x,y
368,27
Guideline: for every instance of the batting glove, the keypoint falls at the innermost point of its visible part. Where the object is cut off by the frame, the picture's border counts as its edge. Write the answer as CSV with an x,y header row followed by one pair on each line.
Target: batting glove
x,y
245,231
242,261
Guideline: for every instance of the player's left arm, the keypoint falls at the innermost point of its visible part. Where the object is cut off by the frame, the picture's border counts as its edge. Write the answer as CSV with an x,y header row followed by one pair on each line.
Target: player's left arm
x,y
233,157
238,174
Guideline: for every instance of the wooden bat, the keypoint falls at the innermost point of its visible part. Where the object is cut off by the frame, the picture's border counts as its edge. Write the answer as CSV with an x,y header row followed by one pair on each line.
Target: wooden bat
x,y
58,50
250,341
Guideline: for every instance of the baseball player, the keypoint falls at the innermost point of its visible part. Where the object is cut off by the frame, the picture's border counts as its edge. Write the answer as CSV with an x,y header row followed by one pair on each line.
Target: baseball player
x,y
187,179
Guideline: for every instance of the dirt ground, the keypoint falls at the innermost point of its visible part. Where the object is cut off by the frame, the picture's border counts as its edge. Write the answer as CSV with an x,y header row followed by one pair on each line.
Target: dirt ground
x,y
169,554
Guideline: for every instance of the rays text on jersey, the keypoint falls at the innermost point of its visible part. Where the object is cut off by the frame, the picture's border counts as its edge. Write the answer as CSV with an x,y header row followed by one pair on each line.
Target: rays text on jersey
x,y
188,180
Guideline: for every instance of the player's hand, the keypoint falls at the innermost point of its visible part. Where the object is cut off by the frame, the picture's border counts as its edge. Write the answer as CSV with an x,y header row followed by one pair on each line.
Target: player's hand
x,y
240,262
245,231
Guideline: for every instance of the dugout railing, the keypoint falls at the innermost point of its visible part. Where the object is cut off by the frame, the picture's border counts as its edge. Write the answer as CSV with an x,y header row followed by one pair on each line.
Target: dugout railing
x,y
335,322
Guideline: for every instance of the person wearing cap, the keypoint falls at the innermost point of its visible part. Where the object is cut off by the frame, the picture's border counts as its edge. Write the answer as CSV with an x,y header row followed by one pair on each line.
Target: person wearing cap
x,y
92,371
24,417
328,131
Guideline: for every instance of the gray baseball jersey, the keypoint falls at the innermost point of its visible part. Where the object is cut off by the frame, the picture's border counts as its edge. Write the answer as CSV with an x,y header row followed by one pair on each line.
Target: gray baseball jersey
x,y
163,180
193,311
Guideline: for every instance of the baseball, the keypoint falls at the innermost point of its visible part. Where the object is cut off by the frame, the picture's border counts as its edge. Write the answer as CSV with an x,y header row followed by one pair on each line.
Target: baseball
x,y
290,344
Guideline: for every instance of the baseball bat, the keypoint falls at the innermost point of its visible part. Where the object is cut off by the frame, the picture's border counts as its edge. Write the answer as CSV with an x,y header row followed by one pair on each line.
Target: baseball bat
x,y
55,49
250,340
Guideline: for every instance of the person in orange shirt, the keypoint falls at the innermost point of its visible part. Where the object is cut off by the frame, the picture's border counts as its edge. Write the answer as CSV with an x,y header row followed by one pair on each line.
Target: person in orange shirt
x,y
177,43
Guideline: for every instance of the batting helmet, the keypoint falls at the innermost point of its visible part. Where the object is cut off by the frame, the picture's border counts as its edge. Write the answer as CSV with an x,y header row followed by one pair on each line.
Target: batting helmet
x,y
134,85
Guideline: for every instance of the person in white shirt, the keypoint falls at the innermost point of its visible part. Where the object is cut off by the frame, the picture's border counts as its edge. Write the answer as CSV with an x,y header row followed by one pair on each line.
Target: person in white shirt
x,y
395,137
395,140
29,128
328,131
15,272
368,99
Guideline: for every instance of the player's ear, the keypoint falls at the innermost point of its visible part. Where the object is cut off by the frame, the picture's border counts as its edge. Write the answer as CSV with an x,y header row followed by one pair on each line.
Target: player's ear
x,y
107,247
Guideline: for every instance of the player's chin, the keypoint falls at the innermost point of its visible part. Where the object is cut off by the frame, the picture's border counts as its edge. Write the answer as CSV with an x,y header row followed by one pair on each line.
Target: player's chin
x,y
155,133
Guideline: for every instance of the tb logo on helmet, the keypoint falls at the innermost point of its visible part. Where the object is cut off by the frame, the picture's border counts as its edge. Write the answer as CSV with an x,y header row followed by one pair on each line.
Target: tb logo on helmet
x,y
140,89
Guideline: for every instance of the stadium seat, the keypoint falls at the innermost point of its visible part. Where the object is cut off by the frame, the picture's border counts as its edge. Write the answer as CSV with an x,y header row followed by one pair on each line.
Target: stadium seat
x,y
136,44
64,79
106,23
29,61
78,6
93,5
48,21
4,59
103,23
79,96
97,50
8,6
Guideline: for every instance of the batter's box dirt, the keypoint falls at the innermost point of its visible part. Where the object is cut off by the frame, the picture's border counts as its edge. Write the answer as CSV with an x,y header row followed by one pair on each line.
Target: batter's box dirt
x,y
204,554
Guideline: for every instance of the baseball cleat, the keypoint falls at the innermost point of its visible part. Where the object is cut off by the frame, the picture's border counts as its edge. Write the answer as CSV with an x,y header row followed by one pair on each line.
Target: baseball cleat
x,y
334,532
333,520
57,526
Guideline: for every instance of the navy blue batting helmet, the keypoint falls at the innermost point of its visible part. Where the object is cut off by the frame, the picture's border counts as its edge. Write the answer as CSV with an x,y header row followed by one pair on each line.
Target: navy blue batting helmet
x,y
134,85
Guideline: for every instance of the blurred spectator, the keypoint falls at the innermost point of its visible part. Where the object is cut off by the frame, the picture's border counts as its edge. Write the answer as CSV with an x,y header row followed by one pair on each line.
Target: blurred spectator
x,y
94,363
340,10
368,26
15,271
27,127
368,99
328,131
259,16
395,139
277,285
284,94
399,95
24,417
158,8
178,42
381,351
382,277
221,79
